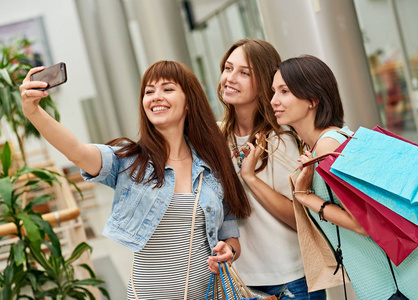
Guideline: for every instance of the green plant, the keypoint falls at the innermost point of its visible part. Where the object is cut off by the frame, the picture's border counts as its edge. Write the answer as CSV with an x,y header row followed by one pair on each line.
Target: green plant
x,y
47,273
14,65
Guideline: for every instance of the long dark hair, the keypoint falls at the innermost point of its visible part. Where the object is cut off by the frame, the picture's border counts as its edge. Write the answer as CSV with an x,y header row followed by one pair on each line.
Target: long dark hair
x,y
309,78
202,133
264,59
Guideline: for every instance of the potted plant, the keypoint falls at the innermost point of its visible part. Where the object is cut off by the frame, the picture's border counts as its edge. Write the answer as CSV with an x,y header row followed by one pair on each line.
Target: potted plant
x,y
35,261
47,273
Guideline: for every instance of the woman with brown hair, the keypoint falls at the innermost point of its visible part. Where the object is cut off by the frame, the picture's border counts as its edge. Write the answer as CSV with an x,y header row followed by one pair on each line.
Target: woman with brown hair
x,y
271,259
306,97
176,177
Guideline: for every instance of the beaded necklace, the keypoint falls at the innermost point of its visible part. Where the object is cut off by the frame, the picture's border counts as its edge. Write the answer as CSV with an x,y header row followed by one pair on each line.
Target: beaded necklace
x,y
237,151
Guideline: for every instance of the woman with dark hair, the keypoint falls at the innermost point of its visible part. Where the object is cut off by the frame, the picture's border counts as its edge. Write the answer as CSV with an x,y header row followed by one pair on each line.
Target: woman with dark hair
x,y
271,259
176,176
306,97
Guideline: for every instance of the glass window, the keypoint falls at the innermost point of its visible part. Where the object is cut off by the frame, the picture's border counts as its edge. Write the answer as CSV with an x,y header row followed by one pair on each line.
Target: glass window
x,y
392,50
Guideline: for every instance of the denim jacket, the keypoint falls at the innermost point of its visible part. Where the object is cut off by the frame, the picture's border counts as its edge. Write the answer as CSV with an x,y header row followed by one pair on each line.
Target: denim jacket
x,y
137,209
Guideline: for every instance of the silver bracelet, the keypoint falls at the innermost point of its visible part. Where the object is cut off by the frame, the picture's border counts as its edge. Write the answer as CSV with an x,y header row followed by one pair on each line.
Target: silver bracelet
x,y
308,191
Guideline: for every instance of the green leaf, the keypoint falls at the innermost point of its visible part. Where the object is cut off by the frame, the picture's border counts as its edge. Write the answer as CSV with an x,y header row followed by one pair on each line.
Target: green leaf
x,y
17,99
89,282
32,230
6,188
38,200
1,116
78,251
80,295
43,174
19,252
4,74
104,292
40,258
5,101
33,280
87,267
47,228
8,279
6,158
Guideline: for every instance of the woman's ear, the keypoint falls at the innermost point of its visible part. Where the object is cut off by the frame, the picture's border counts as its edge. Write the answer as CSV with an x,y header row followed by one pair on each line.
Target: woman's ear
x,y
314,104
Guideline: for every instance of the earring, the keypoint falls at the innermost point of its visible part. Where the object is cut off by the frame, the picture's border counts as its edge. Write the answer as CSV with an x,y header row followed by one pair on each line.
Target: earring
x,y
310,106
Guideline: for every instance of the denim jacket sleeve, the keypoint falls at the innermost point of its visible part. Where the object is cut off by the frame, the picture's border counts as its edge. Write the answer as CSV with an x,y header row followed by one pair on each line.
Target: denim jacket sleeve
x,y
110,167
229,227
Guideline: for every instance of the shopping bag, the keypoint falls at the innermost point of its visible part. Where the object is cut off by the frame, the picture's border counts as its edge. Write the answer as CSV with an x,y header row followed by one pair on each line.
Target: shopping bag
x,y
227,285
394,234
384,168
318,256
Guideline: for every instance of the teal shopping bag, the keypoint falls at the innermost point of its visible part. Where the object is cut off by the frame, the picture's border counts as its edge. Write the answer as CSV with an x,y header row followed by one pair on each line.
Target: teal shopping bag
x,y
384,168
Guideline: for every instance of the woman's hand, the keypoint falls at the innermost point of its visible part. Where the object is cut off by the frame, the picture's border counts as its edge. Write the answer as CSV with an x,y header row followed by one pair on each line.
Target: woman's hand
x,y
31,97
224,253
304,180
251,158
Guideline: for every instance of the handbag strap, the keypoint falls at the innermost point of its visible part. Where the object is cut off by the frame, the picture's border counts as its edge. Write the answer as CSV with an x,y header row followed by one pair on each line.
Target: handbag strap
x,y
190,247
338,251
191,236
393,273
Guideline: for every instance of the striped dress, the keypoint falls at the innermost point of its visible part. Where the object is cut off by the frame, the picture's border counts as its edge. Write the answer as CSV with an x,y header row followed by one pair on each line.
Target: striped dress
x,y
159,269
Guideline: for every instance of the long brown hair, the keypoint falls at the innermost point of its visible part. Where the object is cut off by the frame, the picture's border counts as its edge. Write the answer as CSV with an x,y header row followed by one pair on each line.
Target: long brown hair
x,y
309,78
263,58
202,133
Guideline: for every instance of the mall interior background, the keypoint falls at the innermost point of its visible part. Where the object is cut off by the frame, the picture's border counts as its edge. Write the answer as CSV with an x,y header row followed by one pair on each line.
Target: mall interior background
x,y
371,45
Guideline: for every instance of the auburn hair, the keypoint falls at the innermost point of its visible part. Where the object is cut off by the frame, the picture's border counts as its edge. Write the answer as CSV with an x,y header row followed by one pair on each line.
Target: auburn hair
x,y
263,59
309,78
201,131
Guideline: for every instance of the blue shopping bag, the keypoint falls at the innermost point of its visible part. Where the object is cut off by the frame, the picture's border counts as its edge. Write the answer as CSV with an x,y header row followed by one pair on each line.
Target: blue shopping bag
x,y
384,168
231,286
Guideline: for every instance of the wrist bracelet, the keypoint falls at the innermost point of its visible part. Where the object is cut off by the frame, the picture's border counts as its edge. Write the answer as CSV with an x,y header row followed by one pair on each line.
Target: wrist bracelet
x,y
233,252
308,191
321,210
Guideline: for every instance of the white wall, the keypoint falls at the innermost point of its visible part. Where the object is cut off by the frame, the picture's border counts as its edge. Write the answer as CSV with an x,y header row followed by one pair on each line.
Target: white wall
x,y
67,45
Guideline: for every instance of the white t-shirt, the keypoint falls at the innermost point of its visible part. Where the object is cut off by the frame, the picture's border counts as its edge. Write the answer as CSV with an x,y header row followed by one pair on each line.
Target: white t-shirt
x,y
270,253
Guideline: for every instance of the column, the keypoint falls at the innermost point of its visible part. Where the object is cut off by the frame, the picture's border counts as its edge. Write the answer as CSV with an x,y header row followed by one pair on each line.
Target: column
x,y
330,31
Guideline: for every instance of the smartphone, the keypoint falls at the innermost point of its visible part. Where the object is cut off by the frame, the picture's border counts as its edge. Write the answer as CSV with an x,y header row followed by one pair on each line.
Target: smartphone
x,y
53,75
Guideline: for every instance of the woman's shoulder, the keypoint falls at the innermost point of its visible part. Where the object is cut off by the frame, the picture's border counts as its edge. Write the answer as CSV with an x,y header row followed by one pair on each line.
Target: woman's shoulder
x,y
331,139
340,135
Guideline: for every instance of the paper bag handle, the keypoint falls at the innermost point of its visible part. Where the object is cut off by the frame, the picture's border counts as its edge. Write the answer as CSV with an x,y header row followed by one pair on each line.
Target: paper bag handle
x,y
319,158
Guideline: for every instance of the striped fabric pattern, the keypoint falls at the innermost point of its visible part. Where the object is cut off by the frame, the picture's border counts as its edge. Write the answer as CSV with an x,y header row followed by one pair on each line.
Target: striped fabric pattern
x,y
159,269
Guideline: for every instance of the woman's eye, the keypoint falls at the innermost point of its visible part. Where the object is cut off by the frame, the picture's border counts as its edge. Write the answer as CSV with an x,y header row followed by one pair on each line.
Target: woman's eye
x,y
284,91
168,89
149,92
228,68
245,73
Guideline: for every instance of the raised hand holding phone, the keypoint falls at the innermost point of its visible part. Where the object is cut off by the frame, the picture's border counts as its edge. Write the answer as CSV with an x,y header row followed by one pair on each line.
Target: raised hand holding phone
x,y
53,76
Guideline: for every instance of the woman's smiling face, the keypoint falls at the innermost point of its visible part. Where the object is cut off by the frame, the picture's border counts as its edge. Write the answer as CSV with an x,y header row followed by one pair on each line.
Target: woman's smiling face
x,y
236,79
164,103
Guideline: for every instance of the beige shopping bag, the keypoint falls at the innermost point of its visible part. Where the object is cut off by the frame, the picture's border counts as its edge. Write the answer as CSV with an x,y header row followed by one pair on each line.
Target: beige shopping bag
x,y
317,253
